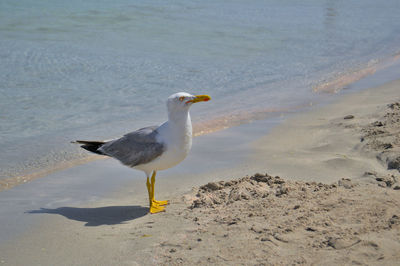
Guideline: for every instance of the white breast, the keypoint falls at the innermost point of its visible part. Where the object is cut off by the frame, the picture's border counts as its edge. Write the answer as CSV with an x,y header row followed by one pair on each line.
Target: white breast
x,y
177,138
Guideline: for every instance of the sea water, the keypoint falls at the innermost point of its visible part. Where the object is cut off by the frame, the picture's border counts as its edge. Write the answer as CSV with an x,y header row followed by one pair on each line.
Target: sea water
x,y
96,69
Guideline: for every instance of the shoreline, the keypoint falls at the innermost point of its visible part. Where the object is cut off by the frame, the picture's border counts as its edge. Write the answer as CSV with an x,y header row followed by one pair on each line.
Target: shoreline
x,y
332,86
319,145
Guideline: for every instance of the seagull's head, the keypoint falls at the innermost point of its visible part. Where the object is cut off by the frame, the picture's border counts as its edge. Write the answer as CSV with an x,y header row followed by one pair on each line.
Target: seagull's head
x,y
183,100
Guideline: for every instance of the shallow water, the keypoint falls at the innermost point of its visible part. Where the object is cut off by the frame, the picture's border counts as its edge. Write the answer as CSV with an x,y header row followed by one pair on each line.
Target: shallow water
x,y
98,69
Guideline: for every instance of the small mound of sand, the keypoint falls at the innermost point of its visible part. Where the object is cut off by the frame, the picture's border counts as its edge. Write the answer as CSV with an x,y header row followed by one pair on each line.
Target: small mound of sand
x,y
266,220
246,188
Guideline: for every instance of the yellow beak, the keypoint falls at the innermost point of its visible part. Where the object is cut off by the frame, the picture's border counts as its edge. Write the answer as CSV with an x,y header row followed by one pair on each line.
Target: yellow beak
x,y
200,98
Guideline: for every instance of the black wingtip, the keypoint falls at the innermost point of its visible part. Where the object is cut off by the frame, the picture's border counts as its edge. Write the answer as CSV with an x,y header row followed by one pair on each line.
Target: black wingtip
x,y
91,146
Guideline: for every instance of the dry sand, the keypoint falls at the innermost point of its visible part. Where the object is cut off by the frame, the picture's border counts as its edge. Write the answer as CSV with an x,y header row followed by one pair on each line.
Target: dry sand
x,y
265,220
336,202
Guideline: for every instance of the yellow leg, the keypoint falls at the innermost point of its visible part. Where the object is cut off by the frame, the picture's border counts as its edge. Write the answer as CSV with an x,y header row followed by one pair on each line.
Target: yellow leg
x,y
155,205
148,185
153,182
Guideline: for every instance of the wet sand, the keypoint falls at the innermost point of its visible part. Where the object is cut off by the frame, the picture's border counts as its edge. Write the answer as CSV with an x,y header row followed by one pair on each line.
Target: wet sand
x,y
330,196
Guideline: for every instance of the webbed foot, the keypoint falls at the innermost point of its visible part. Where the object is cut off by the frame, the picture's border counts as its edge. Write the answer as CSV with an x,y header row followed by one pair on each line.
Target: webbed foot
x,y
161,202
155,207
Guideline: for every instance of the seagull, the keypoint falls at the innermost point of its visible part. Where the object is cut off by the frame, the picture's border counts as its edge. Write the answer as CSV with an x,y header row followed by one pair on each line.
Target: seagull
x,y
154,148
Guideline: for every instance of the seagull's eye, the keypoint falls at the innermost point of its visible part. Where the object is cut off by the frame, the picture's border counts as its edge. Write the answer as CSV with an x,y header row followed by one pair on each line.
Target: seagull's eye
x,y
181,98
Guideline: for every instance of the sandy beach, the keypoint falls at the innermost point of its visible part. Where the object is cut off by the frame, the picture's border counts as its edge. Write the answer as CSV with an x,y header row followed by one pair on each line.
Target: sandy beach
x,y
320,188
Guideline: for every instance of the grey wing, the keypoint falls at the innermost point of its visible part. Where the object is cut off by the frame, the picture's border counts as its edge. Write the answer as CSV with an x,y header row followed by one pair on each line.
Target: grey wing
x,y
135,148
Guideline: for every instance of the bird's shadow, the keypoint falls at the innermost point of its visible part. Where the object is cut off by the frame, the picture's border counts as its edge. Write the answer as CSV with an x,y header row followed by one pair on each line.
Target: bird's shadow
x,y
109,215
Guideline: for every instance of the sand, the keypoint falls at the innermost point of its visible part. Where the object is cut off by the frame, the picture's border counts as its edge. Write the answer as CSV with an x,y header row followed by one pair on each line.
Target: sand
x,y
322,188
265,220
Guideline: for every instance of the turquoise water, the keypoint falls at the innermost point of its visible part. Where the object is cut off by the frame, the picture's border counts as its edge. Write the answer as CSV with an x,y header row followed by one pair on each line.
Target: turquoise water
x,y
96,69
